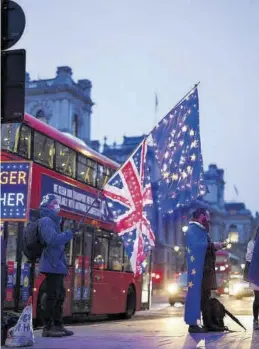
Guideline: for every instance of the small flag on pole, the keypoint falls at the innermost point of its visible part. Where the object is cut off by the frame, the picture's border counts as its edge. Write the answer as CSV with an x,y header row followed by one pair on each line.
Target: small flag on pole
x,y
236,190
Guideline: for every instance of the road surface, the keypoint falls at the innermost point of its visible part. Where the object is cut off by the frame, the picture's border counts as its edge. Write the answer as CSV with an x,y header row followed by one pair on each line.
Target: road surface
x,y
161,327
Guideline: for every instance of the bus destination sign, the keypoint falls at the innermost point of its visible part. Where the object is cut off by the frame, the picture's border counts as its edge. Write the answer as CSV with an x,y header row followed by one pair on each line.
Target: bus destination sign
x,y
74,199
15,180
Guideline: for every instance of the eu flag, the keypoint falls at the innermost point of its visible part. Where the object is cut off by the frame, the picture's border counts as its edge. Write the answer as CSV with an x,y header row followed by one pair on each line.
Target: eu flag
x,y
177,148
196,245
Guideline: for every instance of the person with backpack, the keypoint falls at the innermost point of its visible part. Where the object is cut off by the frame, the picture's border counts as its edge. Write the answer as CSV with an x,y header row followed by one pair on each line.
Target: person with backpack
x,y
54,265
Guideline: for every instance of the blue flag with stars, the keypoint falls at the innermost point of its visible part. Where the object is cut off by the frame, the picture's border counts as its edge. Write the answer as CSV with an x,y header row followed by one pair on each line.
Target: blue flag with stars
x,y
196,246
176,144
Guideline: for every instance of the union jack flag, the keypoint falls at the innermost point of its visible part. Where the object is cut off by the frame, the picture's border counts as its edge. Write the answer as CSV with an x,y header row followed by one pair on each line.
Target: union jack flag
x,y
129,198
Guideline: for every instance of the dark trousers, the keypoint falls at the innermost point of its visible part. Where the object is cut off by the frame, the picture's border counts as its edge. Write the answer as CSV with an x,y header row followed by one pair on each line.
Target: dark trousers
x,y
256,305
55,296
205,296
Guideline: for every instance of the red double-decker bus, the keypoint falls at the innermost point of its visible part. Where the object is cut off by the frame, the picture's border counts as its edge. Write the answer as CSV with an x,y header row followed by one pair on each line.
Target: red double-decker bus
x,y
100,280
226,264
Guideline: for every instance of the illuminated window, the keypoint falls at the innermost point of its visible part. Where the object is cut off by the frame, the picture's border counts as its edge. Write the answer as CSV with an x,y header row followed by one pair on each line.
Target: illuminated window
x,y
116,254
65,160
103,174
86,170
233,234
101,245
24,147
43,150
9,136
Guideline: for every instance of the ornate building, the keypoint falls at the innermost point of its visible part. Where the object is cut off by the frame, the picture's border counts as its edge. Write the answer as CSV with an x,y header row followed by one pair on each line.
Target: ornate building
x,y
229,220
61,102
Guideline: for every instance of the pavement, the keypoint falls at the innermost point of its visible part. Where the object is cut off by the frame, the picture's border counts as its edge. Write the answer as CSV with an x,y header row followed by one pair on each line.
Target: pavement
x,y
161,327
150,331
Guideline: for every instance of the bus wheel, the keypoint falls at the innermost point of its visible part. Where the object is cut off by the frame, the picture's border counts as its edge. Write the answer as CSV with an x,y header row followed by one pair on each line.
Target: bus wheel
x,y
131,303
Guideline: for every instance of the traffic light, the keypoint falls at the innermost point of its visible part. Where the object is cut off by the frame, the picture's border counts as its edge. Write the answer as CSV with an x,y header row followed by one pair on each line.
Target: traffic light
x,y
13,63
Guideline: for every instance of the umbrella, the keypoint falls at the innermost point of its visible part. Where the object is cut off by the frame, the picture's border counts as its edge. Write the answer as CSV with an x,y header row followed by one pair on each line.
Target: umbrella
x,y
234,318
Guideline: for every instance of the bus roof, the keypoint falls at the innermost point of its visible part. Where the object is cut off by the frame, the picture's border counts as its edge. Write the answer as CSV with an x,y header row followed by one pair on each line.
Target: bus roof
x,y
68,140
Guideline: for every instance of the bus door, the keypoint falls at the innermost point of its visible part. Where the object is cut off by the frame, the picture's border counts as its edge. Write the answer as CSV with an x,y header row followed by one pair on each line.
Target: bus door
x,y
101,291
82,270
13,278
146,287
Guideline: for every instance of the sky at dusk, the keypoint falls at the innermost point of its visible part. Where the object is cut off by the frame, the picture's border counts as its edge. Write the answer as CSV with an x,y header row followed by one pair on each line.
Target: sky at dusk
x,y
132,49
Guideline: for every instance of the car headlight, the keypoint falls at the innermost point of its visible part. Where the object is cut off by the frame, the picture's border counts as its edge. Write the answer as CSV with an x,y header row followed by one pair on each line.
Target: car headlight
x,y
173,288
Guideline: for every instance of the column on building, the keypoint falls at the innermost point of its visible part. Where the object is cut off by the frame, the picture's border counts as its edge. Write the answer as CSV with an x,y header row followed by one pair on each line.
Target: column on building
x,y
84,129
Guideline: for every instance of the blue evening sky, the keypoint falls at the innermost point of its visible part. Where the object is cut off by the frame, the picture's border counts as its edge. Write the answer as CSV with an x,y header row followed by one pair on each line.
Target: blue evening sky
x,y
131,49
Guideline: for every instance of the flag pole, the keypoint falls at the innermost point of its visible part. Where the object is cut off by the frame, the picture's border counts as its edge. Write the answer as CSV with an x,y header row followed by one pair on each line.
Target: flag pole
x,y
187,94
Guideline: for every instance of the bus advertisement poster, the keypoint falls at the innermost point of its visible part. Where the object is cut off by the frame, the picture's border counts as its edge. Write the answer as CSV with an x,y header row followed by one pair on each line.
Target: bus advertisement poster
x,y
74,199
10,281
15,180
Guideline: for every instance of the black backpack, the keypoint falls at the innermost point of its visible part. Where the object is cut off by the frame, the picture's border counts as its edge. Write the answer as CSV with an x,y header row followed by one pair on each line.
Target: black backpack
x,y
32,246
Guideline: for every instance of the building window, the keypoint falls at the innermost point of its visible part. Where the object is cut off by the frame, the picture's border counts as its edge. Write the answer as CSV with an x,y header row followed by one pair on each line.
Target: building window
x,y
233,234
43,150
41,116
24,148
86,170
116,254
75,125
65,160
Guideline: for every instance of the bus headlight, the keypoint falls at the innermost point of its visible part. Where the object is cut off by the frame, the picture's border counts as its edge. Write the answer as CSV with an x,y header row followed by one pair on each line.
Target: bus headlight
x,y
173,288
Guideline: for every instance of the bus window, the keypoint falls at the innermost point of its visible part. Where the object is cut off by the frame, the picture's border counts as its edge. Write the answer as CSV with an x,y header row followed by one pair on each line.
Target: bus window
x,y
103,174
9,136
116,254
24,147
65,160
100,253
86,170
126,261
43,150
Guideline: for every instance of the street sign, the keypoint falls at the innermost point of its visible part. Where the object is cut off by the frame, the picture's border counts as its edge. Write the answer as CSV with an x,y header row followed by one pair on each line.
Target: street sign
x,y
12,23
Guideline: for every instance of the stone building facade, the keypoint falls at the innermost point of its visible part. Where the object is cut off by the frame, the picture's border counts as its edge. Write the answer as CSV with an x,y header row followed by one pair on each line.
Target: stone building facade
x,y
61,102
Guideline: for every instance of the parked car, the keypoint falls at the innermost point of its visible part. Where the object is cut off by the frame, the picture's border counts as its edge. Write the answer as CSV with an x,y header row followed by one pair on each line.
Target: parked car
x,y
177,290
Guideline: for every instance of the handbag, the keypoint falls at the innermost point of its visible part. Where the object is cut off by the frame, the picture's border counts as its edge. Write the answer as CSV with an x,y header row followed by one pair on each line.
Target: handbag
x,y
246,271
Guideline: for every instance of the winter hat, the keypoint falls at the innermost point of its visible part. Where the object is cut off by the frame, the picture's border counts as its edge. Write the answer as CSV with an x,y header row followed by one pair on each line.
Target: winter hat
x,y
50,201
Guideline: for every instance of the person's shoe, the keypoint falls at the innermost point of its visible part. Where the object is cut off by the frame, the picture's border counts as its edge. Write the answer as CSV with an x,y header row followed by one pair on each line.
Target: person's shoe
x,y
197,329
256,325
64,330
52,332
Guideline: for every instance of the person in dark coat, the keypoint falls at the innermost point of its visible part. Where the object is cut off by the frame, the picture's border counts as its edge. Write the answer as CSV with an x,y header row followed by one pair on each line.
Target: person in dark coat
x,y
53,264
201,269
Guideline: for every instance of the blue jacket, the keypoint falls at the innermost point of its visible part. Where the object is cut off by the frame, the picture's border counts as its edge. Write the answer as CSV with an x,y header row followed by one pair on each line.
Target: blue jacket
x,y
53,258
